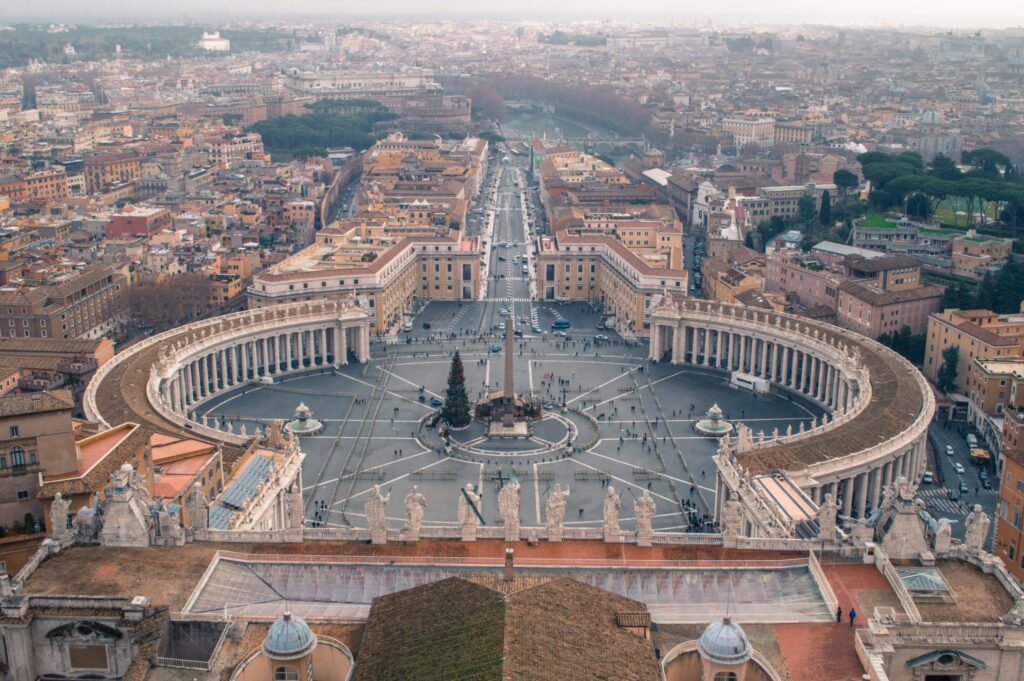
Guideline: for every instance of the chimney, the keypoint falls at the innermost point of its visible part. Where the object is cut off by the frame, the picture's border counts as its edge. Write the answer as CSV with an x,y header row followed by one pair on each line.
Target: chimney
x,y
508,564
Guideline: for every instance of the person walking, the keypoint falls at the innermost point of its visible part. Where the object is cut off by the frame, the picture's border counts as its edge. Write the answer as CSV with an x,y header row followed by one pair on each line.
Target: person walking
x,y
839,615
853,616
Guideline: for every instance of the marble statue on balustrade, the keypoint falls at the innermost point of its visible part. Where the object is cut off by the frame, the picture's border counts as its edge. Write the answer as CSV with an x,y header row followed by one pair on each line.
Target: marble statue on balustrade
x,y
295,508
508,508
59,516
941,531
88,522
470,510
827,512
732,518
198,508
415,504
644,507
612,506
556,511
978,524
376,519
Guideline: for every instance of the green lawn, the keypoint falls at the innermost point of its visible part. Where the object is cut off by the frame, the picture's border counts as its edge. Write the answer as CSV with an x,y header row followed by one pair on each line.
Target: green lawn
x,y
876,221
953,211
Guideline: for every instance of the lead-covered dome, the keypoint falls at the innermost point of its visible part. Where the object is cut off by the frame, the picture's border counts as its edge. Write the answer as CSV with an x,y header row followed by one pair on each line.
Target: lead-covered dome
x,y
289,638
724,642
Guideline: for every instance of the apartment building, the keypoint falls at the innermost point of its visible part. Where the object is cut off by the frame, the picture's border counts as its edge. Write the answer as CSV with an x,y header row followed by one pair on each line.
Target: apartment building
x,y
1008,541
759,131
41,186
102,170
979,334
35,435
993,387
79,304
138,221
782,201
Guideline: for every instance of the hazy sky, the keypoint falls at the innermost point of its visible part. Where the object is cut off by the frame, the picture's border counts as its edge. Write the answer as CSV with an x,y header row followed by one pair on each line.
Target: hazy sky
x,y
949,13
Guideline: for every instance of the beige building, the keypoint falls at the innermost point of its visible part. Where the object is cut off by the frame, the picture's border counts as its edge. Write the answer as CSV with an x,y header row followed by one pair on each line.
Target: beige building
x,y
80,304
602,270
35,435
980,334
386,272
994,386
759,131
975,255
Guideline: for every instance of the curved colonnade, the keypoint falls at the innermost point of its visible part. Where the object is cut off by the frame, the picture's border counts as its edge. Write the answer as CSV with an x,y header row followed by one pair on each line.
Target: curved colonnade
x,y
187,366
879,404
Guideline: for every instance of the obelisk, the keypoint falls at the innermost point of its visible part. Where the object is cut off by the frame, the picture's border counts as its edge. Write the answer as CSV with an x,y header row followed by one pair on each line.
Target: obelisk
x,y
509,388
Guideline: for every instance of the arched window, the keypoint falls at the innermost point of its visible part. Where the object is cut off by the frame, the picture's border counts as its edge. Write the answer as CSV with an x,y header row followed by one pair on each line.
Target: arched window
x,y
17,456
725,676
292,674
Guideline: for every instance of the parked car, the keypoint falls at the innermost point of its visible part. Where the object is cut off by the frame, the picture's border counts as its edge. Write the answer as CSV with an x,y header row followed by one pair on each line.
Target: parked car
x,y
436,402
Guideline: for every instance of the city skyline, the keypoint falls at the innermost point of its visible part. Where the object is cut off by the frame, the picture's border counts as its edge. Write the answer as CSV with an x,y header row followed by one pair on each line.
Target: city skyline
x,y
987,14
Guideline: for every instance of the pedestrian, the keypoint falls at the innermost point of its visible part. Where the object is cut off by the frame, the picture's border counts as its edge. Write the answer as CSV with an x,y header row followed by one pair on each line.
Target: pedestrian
x,y
839,614
853,616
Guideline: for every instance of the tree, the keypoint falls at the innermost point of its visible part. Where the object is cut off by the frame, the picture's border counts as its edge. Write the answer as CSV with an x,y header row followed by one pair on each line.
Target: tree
x,y
845,181
905,343
985,300
948,371
455,411
806,208
155,304
825,213
944,168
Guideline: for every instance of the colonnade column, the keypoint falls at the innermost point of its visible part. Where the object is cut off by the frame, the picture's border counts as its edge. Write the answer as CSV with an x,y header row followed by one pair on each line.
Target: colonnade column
x,y
848,496
862,493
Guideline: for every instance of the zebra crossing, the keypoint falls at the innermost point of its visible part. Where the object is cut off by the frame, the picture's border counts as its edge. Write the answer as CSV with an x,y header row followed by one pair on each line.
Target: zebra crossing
x,y
937,499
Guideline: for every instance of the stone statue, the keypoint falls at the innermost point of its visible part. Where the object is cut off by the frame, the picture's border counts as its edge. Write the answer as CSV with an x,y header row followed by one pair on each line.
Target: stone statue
x,y
87,525
612,506
276,438
644,508
977,524
508,507
59,516
415,502
198,508
827,512
375,518
556,511
732,518
470,504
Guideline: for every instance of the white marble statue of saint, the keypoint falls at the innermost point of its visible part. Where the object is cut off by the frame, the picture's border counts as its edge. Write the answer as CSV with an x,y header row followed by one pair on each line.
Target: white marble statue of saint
x,y
59,516
644,508
556,511
508,508
977,524
468,500
612,506
376,520
415,503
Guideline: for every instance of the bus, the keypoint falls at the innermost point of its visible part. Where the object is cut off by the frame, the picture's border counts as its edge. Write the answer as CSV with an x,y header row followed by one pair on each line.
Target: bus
x,y
749,382
561,324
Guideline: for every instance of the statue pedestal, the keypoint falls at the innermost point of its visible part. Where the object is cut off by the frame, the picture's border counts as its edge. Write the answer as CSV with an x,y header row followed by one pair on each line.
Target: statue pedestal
x,y
512,533
612,535
409,534
644,538
516,429
555,533
469,532
379,536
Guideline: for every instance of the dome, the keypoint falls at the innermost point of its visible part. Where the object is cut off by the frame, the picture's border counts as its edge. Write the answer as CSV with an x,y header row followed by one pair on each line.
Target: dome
x,y
288,638
724,642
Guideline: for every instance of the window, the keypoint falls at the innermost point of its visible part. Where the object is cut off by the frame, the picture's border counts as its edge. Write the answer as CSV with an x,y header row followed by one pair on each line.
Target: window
x,y
17,456
23,494
725,676
286,674
15,432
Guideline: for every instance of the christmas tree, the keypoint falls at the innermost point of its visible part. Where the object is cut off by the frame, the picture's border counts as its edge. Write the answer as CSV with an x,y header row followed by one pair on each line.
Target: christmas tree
x,y
456,402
